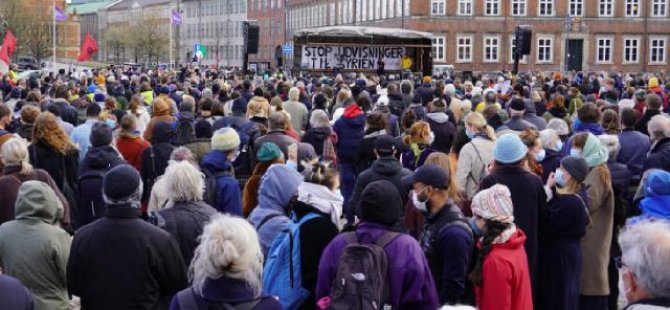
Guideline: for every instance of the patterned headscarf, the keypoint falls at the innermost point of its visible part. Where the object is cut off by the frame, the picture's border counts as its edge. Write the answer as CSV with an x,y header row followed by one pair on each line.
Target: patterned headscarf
x,y
495,204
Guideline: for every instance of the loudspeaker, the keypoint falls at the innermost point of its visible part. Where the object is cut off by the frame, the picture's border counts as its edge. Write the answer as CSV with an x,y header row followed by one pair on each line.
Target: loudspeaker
x,y
252,39
524,38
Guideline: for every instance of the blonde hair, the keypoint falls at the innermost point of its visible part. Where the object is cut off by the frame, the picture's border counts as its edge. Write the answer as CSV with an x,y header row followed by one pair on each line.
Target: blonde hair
x,y
477,121
228,247
418,133
49,131
184,182
15,152
442,160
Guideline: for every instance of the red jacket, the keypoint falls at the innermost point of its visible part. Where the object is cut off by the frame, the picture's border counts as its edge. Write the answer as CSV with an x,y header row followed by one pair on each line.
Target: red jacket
x,y
506,279
131,149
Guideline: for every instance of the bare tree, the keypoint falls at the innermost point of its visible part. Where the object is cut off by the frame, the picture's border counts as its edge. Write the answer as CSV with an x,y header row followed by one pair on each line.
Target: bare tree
x,y
150,39
117,39
30,25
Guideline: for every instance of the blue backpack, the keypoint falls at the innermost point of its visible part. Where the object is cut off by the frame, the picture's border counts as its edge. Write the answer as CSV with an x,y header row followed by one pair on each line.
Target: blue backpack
x,y
283,267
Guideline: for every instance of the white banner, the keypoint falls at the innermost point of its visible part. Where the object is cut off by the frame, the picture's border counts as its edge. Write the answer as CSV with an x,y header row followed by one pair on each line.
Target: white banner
x,y
326,57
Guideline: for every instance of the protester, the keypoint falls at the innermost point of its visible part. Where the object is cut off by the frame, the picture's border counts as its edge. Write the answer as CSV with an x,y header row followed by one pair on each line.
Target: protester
x,y
376,125
442,124
634,144
475,155
659,135
142,271
268,155
130,143
409,280
552,146
161,114
501,275
563,225
14,295
226,269
350,130
321,136
159,192
418,140
536,154
28,116
80,134
217,164
517,109
137,109
34,249
155,157
276,134
297,110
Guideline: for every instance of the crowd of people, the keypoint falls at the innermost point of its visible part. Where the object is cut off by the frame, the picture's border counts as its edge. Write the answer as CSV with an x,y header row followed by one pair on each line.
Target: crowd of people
x,y
125,188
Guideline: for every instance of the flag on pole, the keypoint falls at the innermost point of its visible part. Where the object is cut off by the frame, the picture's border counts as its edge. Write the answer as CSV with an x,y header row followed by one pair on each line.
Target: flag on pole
x,y
88,48
6,51
59,14
175,18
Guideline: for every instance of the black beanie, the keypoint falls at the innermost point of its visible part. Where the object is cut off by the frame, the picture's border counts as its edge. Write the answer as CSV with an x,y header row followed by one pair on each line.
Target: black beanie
x,y
101,135
203,129
380,203
121,182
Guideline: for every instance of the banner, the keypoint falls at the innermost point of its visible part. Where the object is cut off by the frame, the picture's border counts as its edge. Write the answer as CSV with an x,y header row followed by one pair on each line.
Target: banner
x,y
351,57
59,14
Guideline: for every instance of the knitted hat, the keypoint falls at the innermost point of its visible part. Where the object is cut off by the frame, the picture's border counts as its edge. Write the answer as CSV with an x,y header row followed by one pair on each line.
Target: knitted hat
x,y
101,134
121,183
658,184
495,204
517,104
509,149
203,129
653,82
438,106
99,97
380,203
576,167
240,105
594,152
269,152
225,139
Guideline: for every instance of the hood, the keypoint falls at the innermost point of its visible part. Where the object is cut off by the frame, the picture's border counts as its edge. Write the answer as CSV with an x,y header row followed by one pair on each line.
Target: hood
x,y
655,208
593,128
352,111
161,108
163,133
101,158
216,161
320,133
279,184
37,201
438,117
387,165
186,116
322,199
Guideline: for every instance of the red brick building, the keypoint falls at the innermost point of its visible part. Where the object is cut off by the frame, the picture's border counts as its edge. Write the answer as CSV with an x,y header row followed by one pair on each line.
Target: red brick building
x,y
477,35
269,16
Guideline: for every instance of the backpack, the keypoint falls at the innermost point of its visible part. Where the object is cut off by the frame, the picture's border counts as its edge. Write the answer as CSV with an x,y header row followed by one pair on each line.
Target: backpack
x,y
90,201
244,164
184,132
212,186
283,267
362,274
186,301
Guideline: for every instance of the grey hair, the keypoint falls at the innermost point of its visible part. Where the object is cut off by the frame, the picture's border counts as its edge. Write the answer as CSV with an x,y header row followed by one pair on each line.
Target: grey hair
x,y
183,153
659,127
559,126
549,138
645,248
406,87
319,119
294,94
15,152
228,247
276,120
184,182
611,143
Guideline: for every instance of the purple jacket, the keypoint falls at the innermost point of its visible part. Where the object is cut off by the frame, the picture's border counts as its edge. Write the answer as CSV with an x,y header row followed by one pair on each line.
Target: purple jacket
x,y
411,284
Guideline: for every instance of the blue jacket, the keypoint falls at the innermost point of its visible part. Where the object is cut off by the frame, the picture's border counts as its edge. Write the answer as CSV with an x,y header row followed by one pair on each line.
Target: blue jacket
x,y
279,184
349,129
229,198
634,148
80,135
659,156
14,295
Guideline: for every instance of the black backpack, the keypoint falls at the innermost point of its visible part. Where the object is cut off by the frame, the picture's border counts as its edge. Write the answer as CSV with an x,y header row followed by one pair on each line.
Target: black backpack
x,y
212,187
89,198
184,132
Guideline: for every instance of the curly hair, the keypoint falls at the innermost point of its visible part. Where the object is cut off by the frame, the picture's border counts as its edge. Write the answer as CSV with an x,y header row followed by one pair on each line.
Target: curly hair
x,y
418,133
48,131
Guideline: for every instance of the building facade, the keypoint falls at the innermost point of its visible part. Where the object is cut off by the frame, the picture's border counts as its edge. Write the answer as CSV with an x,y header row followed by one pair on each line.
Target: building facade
x,y
478,35
215,24
87,12
270,16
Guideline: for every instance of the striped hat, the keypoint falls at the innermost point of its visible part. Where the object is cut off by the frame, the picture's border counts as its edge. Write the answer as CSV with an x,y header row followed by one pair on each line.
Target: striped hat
x,y
495,204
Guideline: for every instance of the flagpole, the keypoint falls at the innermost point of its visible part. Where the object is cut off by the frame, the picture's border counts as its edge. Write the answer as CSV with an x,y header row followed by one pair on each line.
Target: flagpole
x,y
53,38
170,65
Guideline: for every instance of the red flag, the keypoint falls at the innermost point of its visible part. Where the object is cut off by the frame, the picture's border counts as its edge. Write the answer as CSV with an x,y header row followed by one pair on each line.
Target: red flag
x,y
88,48
8,47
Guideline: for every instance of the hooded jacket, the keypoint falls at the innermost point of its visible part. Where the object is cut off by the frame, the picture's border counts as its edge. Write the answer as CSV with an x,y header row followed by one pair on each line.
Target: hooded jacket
x,y
531,117
349,129
278,186
634,148
161,113
34,249
228,198
322,199
506,281
155,158
444,130
385,168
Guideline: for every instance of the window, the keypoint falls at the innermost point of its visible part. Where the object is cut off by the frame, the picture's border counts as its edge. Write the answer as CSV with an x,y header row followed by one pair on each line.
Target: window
x,y
631,50
576,7
464,7
407,7
437,7
657,50
546,8
464,48
518,7
659,8
632,8
491,48
383,7
512,45
399,8
606,8
604,49
439,48
492,8
545,50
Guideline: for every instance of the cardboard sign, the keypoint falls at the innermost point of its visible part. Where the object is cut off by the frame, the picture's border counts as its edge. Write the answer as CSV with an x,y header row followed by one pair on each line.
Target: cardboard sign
x,y
316,57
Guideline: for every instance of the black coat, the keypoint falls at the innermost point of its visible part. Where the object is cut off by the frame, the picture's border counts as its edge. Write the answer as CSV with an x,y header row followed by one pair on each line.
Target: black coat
x,y
385,168
90,205
185,222
154,162
659,156
529,198
641,125
67,112
563,226
444,131
123,262
316,137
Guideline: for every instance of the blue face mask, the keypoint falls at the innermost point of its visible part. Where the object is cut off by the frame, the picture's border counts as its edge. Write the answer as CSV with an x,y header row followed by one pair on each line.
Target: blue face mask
x,y
559,146
111,123
540,155
560,178
575,152
475,229
469,133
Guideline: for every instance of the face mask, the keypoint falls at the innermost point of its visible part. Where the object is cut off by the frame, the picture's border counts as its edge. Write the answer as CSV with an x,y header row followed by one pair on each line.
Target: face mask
x,y
431,139
575,152
540,155
292,164
475,229
111,123
559,146
420,205
469,133
560,178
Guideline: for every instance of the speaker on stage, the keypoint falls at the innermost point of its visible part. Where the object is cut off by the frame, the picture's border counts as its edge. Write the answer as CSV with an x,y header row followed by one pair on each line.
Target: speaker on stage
x,y
252,39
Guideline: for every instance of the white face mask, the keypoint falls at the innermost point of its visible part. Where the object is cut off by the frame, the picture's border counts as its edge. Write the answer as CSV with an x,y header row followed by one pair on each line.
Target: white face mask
x,y
431,139
420,205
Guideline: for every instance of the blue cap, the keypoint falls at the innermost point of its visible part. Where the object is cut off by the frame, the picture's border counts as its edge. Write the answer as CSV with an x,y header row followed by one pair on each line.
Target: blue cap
x,y
509,149
430,175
